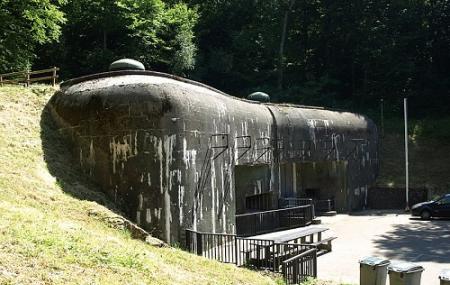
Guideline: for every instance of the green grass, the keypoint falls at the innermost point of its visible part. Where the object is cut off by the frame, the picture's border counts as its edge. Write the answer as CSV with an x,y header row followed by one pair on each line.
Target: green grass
x,y
48,234
312,281
429,162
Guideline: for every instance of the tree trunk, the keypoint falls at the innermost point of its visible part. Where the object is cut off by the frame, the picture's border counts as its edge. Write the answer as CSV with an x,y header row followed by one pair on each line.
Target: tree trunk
x,y
282,44
105,40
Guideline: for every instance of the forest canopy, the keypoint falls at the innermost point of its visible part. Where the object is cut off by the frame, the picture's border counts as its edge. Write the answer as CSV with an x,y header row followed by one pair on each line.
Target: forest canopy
x,y
347,54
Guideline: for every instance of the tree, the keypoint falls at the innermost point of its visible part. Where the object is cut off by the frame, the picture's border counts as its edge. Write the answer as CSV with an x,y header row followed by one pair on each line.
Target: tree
x,y
165,31
290,6
345,54
101,31
24,25
237,46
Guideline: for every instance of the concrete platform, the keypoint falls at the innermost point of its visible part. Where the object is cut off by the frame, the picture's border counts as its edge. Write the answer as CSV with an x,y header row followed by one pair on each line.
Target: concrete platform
x,y
392,235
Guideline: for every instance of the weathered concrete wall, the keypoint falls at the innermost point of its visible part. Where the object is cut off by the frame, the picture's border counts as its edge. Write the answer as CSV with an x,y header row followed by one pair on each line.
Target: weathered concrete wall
x,y
166,149
317,135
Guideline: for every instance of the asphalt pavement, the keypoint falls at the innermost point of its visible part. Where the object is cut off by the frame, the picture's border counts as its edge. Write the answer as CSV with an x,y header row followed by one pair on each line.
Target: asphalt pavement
x,y
386,234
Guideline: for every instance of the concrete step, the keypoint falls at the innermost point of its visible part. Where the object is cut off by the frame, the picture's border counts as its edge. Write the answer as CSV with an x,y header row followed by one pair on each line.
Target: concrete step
x,y
327,214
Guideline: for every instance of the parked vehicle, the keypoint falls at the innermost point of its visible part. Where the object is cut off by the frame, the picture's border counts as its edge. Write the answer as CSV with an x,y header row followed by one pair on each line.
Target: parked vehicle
x,y
438,208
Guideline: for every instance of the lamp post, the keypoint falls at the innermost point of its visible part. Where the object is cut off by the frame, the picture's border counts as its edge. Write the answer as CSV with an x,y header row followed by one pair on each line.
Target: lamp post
x,y
405,107
382,116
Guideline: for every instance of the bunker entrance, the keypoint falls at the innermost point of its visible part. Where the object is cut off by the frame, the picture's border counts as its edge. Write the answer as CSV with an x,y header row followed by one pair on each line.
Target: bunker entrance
x,y
252,185
316,180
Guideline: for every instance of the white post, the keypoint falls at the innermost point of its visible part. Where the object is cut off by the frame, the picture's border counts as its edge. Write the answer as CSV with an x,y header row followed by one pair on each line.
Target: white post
x,y
382,117
405,106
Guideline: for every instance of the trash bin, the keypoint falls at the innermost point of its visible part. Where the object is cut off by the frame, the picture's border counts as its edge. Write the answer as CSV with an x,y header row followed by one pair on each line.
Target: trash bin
x,y
445,277
404,273
373,271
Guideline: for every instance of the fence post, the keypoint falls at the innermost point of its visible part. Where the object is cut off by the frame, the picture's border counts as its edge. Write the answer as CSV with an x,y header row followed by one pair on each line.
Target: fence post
x,y
187,241
28,78
313,210
314,265
1,80
236,250
199,244
54,76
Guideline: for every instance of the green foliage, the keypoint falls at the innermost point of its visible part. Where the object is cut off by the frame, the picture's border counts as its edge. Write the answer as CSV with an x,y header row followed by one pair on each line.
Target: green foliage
x,y
24,25
166,31
333,53
309,281
336,53
180,22
420,129
101,31
313,92
432,128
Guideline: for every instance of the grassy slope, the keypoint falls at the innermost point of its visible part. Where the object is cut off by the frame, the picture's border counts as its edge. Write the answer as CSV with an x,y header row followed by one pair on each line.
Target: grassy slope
x,y
49,236
429,162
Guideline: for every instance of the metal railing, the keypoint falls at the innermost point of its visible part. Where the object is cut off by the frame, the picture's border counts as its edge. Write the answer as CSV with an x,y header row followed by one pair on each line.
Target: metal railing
x,y
256,253
228,248
294,202
321,206
268,221
259,202
220,247
324,206
284,251
298,268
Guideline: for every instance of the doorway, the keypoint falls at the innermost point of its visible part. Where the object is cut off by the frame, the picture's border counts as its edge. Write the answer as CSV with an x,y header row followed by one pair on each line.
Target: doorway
x,y
250,181
321,180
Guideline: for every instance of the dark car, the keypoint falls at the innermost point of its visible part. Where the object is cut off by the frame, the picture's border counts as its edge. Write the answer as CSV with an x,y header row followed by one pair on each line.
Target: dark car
x,y
438,208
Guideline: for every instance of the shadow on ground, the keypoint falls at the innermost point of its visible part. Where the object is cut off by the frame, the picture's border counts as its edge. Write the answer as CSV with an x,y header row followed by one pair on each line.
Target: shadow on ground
x,y
376,213
61,165
417,241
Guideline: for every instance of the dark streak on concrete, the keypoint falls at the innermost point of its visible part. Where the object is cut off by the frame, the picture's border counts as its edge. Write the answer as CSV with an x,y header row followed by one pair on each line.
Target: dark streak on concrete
x,y
166,149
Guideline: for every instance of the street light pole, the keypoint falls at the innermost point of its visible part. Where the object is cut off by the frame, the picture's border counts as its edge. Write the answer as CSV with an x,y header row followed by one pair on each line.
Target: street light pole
x,y
405,106
382,116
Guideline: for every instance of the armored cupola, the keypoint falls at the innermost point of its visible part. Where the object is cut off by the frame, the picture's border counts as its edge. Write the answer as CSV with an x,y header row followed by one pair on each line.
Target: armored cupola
x,y
126,64
259,96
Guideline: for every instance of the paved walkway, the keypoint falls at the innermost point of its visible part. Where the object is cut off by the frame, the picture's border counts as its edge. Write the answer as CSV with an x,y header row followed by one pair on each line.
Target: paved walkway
x,y
391,235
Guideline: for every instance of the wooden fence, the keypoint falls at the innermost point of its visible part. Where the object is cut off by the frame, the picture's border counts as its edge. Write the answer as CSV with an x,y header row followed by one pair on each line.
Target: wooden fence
x,y
27,77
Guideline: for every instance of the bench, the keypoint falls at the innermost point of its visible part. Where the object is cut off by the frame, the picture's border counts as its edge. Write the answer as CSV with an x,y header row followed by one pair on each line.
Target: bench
x,y
283,251
323,246
285,242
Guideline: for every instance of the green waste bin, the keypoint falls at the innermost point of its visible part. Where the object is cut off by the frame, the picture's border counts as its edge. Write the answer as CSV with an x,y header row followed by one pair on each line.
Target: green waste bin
x,y
373,271
404,273
445,277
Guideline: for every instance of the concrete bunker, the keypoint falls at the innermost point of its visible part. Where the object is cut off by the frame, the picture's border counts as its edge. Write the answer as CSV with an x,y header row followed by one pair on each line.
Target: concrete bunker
x,y
176,154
